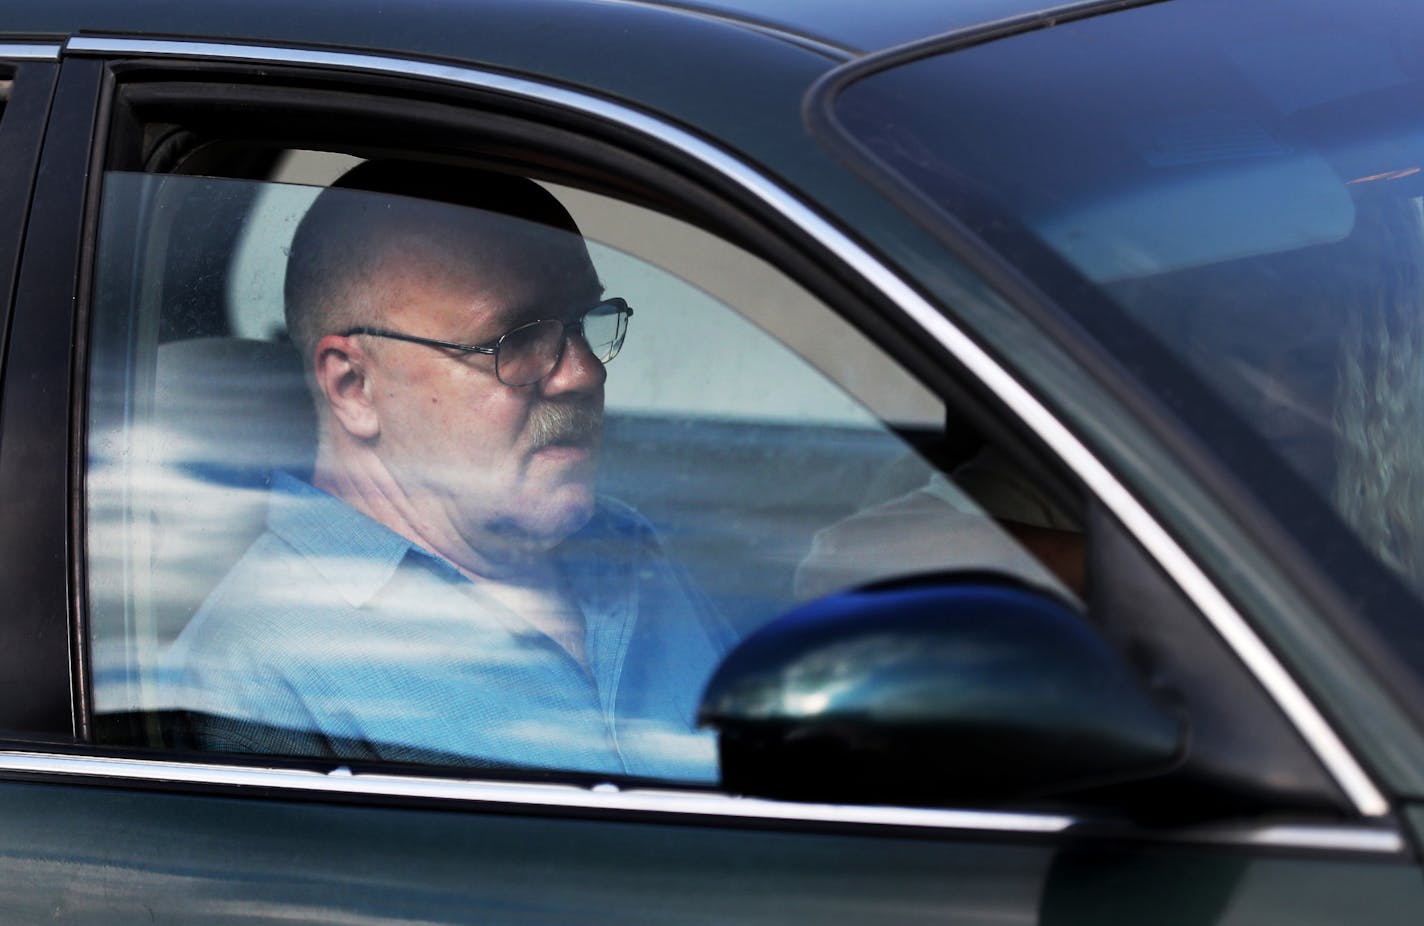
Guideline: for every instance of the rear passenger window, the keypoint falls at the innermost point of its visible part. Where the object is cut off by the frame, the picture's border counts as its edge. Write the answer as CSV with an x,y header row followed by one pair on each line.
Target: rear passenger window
x,y
460,465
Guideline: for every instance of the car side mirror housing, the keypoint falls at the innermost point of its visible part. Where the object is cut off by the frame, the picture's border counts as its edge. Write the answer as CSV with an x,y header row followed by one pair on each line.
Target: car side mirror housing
x,y
960,690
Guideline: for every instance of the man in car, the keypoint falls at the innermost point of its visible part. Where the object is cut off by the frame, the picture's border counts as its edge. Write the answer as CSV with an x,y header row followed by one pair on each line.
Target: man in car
x,y
448,587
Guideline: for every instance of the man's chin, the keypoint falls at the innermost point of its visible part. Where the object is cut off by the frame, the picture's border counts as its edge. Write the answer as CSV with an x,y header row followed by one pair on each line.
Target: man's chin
x,y
547,522
570,516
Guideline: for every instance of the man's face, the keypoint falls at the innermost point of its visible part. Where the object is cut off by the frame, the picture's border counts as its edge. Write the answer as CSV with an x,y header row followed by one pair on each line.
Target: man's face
x,y
509,469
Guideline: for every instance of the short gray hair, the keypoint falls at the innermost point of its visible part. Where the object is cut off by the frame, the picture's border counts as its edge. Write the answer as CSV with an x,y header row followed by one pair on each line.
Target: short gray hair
x,y
350,228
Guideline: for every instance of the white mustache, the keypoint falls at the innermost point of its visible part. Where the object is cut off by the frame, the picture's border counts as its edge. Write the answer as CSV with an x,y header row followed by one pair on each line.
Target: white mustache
x,y
559,423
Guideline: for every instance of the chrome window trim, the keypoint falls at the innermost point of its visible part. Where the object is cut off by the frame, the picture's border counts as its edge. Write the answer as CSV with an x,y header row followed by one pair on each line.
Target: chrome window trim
x,y
1352,779
343,781
28,51
608,797
1296,836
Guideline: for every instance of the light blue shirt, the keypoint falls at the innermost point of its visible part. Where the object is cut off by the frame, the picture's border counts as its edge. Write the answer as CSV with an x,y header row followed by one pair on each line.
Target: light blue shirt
x,y
339,631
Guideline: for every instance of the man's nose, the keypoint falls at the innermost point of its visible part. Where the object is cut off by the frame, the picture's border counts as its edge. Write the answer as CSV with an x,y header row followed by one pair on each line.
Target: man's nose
x,y
577,370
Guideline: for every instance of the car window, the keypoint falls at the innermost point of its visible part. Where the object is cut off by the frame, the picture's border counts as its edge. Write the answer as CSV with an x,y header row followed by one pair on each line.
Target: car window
x,y
411,521
1237,216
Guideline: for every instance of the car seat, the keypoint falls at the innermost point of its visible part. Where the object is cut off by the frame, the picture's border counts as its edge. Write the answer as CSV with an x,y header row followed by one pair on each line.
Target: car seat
x,y
194,467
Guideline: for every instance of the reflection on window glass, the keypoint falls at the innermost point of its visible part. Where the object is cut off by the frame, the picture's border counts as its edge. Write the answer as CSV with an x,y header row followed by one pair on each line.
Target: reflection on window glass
x,y
408,479
1249,197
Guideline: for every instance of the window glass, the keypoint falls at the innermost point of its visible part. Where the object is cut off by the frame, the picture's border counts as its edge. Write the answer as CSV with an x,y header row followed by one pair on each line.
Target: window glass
x,y
1237,214
493,482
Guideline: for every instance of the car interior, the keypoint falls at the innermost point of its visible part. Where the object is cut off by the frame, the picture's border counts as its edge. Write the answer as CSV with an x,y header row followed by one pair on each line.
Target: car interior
x,y
197,396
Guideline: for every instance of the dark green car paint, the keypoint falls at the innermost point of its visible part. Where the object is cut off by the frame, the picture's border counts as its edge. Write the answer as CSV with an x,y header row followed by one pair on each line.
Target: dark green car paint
x,y
84,853
143,858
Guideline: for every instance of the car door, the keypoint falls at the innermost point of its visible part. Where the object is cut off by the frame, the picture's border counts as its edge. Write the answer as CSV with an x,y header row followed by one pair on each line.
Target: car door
x,y
38,706
783,410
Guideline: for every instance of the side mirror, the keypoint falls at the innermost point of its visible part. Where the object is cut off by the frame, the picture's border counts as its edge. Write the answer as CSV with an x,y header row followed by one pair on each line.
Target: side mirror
x,y
965,690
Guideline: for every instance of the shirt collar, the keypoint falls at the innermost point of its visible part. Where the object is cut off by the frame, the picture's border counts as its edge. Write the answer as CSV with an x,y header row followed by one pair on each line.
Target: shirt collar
x,y
358,555
355,553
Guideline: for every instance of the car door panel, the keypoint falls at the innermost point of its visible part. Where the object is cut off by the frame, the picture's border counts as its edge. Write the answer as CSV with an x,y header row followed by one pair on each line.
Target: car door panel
x,y
142,857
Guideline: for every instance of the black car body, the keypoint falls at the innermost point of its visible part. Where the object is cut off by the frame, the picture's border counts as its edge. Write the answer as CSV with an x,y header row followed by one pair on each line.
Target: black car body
x,y
1213,714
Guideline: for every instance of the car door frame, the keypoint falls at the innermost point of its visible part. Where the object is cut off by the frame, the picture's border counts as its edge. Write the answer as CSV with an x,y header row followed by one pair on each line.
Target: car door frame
x,y
35,658
42,388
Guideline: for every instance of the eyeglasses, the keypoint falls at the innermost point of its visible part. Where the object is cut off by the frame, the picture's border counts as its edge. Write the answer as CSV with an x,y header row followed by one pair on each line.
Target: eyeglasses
x,y
532,351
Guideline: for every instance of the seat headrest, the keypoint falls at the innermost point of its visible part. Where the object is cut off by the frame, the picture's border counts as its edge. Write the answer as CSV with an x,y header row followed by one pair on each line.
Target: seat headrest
x,y
231,410
227,412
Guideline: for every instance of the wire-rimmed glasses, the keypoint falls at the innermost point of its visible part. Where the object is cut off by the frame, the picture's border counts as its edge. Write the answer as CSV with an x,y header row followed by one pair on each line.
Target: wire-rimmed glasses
x,y
525,355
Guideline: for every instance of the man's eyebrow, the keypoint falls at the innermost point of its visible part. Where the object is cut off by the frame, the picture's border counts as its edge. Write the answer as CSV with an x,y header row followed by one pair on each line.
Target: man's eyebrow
x,y
507,319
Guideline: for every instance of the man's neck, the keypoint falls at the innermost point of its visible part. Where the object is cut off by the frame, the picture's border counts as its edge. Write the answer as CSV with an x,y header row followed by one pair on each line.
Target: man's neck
x,y
529,586
369,488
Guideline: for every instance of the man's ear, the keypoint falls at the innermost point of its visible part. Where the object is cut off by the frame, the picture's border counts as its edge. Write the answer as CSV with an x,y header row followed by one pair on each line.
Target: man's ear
x,y
340,370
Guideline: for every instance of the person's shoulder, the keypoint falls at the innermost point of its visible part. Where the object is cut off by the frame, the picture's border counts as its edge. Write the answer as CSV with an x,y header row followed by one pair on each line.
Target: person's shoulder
x,y
269,588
